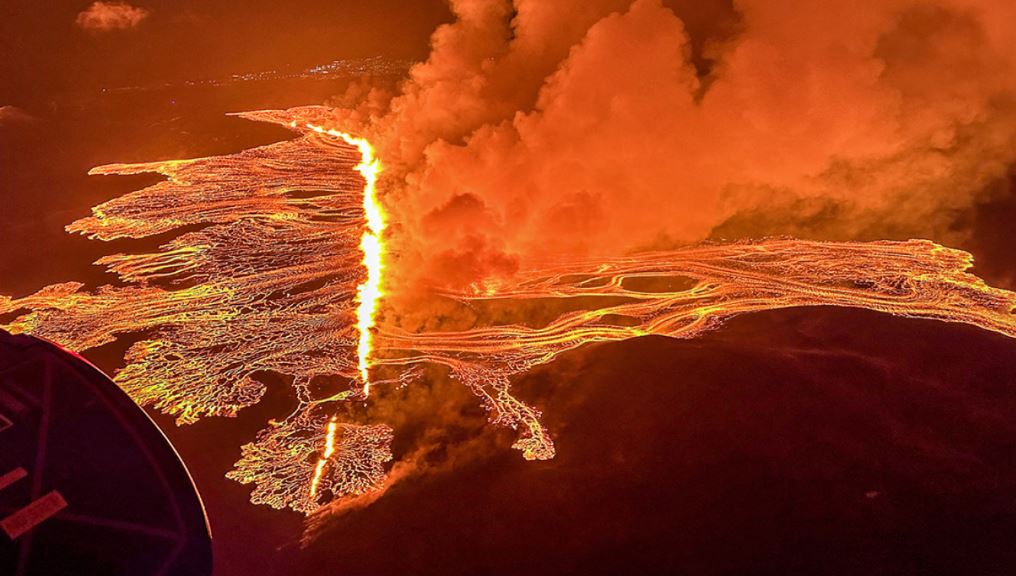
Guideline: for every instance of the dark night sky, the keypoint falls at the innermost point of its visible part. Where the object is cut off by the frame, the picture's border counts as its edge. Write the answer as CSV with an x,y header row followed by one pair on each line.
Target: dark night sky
x,y
792,442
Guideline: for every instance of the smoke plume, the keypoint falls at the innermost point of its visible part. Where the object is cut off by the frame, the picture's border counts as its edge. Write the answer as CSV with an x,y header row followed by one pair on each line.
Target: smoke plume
x,y
537,129
106,16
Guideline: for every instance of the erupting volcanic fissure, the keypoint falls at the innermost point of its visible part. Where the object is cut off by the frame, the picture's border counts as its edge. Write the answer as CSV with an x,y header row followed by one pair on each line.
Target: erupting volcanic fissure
x,y
369,292
284,275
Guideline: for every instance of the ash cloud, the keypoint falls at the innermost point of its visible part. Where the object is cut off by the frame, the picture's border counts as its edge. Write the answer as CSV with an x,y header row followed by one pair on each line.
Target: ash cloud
x,y
107,16
539,129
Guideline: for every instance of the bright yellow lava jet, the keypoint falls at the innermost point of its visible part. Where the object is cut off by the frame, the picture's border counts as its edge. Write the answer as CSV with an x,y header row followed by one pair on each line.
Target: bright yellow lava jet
x,y
369,292
329,450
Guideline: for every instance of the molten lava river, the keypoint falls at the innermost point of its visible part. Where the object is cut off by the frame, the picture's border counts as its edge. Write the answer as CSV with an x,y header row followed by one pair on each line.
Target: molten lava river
x,y
278,265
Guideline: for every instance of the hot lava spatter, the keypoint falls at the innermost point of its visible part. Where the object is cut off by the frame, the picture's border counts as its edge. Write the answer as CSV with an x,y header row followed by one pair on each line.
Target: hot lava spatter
x,y
284,275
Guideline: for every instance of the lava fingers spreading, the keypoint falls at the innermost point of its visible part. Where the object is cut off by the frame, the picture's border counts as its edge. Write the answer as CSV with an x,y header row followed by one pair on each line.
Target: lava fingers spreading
x,y
682,294
265,279
277,268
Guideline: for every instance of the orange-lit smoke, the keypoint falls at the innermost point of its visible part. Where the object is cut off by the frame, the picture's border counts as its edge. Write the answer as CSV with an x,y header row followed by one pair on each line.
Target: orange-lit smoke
x,y
596,127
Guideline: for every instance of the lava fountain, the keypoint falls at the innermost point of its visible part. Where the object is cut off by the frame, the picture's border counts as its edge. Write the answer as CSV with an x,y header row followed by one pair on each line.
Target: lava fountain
x,y
369,292
281,271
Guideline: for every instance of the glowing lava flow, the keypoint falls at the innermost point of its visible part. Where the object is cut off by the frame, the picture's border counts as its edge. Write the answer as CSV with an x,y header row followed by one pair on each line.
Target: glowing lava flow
x,y
266,275
329,450
369,292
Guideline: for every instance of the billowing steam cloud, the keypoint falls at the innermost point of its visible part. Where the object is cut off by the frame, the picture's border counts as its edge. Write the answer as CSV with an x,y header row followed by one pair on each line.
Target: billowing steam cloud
x,y
596,127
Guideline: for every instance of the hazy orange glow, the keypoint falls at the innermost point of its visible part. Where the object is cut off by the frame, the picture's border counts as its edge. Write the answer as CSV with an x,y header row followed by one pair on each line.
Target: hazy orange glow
x,y
273,281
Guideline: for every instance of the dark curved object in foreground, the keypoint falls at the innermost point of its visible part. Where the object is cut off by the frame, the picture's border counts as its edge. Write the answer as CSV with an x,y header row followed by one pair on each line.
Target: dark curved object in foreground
x,y
88,483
